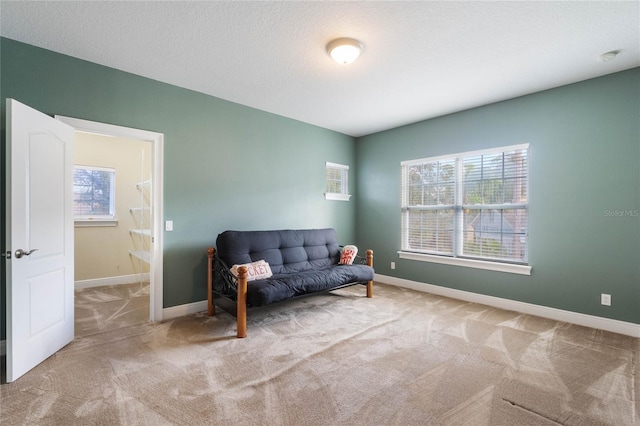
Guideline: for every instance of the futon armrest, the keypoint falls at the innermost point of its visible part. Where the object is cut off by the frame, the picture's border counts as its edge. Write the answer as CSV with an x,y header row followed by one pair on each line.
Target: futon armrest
x,y
363,260
360,260
224,282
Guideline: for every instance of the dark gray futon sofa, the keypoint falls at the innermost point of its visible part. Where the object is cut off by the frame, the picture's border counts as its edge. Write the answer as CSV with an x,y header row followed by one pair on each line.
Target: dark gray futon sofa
x,y
302,262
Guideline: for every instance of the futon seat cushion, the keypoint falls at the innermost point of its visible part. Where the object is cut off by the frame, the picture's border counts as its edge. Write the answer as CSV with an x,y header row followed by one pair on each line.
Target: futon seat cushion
x,y
285,286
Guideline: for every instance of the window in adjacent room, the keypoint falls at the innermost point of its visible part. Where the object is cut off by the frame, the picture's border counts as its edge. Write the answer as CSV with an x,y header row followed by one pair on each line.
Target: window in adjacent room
x,y
94,195
337,182
471,206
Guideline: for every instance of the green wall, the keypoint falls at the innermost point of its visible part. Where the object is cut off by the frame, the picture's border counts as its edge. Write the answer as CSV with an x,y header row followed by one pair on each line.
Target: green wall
x,y
585,168
226,166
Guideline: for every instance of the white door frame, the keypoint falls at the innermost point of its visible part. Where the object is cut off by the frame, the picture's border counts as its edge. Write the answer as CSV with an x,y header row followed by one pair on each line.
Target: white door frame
x,y
157,173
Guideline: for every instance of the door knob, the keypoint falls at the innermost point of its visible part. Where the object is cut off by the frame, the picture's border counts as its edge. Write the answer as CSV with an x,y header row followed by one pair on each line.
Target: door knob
x,y
20,253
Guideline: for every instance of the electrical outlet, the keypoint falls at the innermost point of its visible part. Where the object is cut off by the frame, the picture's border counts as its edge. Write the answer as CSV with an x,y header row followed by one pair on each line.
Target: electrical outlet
x,y
393,265
168,225
605,299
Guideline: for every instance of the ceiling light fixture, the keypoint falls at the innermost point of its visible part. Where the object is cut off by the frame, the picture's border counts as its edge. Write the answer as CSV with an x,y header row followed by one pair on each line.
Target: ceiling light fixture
x,y
344,50
605,57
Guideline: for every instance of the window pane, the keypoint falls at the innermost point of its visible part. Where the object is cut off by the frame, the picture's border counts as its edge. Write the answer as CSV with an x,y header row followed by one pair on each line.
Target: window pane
x,y
92,192
336,179
516,170
515,191
492,165
495,178
431,184
429,231
492,191
495,233
414,177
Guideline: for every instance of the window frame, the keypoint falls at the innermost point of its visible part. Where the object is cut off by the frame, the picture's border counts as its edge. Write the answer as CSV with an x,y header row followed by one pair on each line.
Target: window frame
x,y
343,181
456,255
90,220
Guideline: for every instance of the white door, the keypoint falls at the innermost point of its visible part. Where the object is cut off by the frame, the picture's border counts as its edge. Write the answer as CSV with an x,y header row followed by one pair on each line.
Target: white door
x,y
40,281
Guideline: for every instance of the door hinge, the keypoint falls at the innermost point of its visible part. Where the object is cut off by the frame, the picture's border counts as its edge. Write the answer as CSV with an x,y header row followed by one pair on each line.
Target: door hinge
x,y
6,254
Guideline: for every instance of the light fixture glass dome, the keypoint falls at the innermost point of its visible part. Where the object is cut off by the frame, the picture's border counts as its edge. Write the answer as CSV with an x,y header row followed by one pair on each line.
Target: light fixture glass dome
x,y
344,50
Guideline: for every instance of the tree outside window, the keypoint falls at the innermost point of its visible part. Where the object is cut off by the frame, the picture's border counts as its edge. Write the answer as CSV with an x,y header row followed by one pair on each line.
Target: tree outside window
x,y
93,193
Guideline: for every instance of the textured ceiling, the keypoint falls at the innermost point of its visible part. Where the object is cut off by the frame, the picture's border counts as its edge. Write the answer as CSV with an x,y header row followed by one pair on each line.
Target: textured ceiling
x,y
421,59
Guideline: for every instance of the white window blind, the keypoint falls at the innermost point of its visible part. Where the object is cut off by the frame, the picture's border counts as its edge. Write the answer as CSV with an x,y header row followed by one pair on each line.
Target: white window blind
x,y
472,205
93,192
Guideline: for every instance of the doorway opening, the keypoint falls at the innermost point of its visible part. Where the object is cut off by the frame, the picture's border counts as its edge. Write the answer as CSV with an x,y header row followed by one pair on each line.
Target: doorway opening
x,y
129,260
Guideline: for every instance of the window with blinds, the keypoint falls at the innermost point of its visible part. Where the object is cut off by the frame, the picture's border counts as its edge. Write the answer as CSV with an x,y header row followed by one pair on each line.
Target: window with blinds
x,y
469,205
93,193
336,182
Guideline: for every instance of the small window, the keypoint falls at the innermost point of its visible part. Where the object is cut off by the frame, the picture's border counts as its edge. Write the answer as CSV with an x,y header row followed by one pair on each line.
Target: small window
x,y
93,194
337,182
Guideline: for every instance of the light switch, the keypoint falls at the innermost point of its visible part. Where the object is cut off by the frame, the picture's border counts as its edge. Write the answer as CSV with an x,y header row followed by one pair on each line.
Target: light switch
x,y
168,225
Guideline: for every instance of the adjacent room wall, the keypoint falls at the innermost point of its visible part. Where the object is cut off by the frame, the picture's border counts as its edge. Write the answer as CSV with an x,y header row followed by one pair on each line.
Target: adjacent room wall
x,y
227,166
103,251
584,194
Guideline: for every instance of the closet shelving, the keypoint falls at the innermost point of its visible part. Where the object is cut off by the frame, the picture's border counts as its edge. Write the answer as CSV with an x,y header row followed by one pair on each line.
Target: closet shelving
x,y
142,218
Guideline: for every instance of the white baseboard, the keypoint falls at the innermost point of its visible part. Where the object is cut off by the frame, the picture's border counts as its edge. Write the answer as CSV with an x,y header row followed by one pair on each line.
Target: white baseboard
x,y
182,310
121,279
615,326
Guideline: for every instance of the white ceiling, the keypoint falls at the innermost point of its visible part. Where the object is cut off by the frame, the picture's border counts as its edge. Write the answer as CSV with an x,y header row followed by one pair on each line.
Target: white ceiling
x,y
421,59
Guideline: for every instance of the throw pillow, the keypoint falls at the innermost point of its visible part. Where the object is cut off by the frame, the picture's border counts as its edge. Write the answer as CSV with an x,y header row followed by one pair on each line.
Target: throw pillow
x,y
348,255
257,270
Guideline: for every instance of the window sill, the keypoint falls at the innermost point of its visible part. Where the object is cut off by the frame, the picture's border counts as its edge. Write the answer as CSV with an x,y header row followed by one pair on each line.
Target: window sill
x,y
86,223
337,197
468,263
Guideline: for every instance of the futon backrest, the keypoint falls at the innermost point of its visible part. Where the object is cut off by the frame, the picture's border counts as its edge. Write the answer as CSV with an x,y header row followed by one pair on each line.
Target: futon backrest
x,y
286,251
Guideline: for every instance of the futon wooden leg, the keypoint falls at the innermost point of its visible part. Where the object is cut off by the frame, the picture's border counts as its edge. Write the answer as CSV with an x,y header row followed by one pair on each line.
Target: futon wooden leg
x,y
370,283
242,301
211,309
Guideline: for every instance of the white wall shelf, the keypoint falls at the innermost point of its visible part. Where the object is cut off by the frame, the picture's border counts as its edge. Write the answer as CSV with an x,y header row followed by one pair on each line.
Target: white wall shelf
x,y
139,209
145,232
143,184
145,256
142,216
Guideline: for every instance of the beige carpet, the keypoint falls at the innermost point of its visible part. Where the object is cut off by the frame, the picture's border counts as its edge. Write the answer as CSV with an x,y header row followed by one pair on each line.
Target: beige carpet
x,y
401,358
100,309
